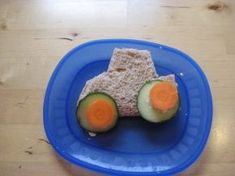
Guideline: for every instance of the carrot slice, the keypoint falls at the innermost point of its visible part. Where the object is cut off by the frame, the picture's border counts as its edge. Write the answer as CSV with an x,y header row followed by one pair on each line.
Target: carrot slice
x,y
100,114
164,96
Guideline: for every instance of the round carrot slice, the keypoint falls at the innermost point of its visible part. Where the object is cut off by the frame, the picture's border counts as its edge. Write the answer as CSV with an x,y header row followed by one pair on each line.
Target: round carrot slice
x,y
164,96
100,114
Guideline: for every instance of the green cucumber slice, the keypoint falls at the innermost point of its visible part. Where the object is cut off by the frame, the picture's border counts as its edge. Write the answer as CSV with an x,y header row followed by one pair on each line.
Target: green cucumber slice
x,y
86,101
147,111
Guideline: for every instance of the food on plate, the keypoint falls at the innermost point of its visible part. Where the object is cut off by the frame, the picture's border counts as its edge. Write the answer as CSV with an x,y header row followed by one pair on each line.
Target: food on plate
x,y
158,100
129,87
128,70
97,112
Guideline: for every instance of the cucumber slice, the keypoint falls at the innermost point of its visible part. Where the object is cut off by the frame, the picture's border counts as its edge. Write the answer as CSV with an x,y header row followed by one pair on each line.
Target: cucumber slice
x,y
147,111
84,105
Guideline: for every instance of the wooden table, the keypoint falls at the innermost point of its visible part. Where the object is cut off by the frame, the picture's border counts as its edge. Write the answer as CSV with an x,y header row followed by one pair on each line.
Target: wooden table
x,y
34,35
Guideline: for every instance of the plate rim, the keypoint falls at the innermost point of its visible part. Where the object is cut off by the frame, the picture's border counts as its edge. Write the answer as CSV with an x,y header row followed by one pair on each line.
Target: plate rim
x,y
95,168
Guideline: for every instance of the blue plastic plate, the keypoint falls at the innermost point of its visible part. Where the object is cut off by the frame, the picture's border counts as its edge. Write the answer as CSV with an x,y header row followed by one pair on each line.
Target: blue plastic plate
x,y
134,146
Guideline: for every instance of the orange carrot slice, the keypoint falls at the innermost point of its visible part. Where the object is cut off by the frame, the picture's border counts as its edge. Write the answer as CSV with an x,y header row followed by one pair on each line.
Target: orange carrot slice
x,y
163,96
100,114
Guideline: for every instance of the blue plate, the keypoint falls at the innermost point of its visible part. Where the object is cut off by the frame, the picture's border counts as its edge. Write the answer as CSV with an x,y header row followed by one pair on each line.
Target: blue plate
x,y
134,146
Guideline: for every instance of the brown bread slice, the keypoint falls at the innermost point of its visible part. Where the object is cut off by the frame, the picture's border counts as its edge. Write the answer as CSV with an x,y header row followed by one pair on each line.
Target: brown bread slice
x,y
128,70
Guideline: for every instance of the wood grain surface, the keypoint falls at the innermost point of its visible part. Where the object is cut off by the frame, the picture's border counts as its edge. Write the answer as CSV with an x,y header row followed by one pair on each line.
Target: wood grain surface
x,y
35,34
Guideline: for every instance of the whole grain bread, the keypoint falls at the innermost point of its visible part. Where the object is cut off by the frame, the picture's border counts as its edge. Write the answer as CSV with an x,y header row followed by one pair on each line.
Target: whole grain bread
x,y
128,70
